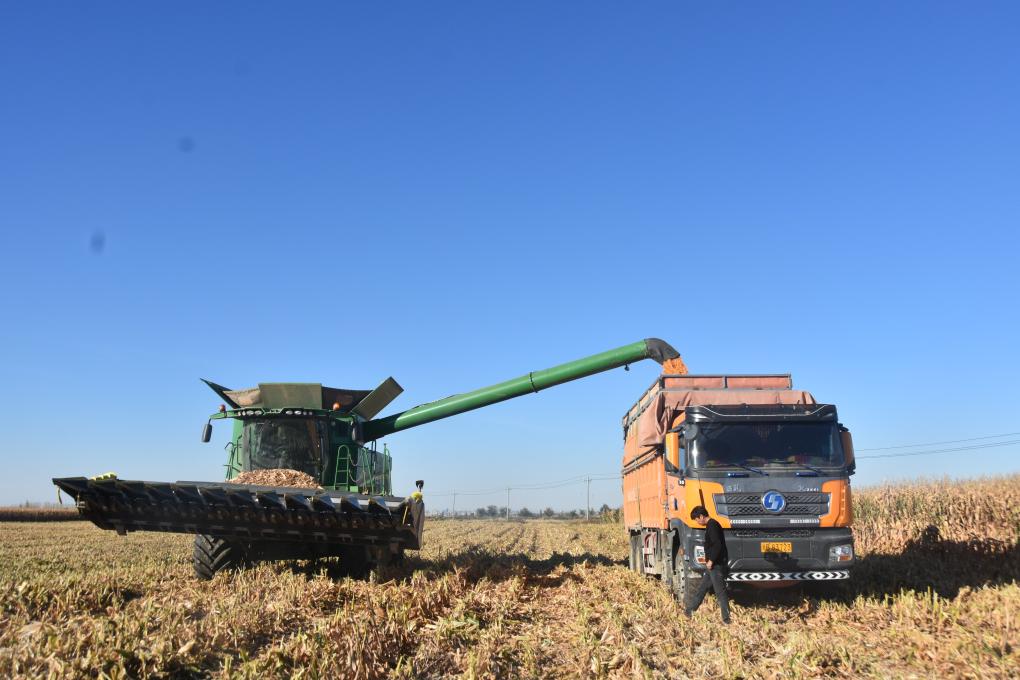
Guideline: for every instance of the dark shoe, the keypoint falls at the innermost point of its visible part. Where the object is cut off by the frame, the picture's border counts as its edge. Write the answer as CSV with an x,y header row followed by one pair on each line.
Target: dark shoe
x,y
726,622
687,614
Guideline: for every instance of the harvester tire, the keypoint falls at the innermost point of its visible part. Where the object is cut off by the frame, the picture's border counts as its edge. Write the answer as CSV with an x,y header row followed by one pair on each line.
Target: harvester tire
x,y
213,554
354,561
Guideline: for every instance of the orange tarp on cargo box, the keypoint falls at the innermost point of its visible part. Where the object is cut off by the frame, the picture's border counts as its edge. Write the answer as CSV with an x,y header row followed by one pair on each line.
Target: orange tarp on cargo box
x,y
653,423
733,382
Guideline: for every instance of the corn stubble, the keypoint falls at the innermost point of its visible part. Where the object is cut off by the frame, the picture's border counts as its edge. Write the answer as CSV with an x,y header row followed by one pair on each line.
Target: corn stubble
x,y
936,594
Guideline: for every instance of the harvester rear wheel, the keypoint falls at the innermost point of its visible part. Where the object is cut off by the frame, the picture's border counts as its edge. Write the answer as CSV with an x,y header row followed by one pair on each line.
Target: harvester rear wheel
x,y
354,561
213,554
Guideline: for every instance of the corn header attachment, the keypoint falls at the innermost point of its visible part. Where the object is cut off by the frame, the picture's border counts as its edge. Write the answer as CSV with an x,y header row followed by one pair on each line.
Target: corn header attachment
x,y
248,512
328,437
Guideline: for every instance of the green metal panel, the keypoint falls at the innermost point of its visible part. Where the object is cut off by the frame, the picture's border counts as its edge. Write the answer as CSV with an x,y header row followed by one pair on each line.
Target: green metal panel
x,y
379,399
532,382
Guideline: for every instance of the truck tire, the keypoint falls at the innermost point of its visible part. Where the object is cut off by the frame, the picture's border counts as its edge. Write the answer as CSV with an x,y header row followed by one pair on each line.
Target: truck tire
x,y
213,554
665,558
679,581
635,552
681,585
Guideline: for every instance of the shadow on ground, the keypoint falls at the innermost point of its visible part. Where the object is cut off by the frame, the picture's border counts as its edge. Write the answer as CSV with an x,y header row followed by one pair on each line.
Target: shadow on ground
x,y
474,564
478,563
928,563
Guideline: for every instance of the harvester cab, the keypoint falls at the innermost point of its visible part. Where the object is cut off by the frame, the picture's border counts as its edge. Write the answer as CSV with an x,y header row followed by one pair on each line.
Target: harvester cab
x,y
310,428
340,503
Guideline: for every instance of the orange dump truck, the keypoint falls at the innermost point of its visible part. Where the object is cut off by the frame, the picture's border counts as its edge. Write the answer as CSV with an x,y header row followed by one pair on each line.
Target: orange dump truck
x,y
767,461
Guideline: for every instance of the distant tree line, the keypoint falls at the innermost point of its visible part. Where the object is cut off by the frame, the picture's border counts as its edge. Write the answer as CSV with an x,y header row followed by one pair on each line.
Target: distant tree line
x,y
604,513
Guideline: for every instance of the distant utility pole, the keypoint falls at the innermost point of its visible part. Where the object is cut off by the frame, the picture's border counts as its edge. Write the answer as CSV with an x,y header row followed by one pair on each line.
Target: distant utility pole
x,y
454,503
587,505
508,504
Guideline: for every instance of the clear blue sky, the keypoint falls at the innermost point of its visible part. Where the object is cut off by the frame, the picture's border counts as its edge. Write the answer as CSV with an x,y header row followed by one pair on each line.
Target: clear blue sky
x,y
458,193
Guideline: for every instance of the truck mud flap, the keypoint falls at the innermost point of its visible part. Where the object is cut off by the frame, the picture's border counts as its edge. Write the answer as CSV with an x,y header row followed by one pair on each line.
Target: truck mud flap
x,y
259,513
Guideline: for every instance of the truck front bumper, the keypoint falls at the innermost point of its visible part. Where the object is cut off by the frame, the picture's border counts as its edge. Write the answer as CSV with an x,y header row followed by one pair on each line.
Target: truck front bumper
x,y
811,557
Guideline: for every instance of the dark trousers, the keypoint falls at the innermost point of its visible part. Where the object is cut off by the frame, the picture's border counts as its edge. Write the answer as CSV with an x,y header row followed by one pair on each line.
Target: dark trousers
x,y
715,579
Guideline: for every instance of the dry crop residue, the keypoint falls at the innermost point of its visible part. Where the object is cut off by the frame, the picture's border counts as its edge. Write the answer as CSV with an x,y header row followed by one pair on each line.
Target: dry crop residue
x,y
935,595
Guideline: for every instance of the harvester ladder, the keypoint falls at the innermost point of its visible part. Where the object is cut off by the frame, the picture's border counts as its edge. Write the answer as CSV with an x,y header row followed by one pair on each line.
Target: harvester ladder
x,y
343,474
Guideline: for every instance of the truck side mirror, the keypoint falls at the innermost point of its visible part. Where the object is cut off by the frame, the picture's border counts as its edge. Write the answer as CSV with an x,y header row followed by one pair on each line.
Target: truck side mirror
x,y
673,450
207,433
848,449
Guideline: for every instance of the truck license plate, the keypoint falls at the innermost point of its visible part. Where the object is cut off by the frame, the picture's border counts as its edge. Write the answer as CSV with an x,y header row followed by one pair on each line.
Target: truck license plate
x,y
776,547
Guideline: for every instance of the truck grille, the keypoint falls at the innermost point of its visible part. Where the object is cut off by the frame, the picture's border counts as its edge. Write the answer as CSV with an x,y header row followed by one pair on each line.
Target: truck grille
x,y
749,504
773,533
755,498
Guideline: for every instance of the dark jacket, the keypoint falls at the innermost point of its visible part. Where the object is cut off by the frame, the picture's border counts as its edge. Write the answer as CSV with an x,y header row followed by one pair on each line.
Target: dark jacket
x,y
715,544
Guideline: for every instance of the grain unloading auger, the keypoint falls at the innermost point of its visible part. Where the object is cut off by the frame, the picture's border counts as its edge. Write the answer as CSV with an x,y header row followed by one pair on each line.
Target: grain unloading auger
x,y
329,434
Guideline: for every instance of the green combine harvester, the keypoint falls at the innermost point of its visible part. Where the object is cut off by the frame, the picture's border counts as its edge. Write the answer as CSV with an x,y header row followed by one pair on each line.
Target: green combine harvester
x,y
329,434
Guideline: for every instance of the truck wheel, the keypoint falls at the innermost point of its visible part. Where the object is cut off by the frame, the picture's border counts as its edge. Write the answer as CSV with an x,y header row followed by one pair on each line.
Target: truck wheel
x,y
665,543
213,554
635,553
681,585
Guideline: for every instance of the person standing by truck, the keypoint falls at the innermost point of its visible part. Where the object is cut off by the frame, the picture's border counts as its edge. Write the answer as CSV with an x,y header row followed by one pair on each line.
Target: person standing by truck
x,y
716,559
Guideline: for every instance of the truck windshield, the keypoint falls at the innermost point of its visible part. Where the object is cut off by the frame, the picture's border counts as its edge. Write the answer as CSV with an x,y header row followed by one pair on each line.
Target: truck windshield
x,y
292,443
758,444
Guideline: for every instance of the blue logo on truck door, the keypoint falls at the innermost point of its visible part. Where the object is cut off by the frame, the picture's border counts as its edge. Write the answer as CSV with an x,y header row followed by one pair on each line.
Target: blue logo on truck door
x,y
773,501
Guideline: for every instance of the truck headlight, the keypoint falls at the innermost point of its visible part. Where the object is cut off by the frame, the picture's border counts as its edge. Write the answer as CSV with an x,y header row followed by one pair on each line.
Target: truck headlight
x,y
841,553
699,554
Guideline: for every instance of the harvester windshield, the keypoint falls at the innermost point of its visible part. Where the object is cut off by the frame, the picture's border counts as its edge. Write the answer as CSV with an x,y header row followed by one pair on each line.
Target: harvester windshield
x,y
767,443
292,443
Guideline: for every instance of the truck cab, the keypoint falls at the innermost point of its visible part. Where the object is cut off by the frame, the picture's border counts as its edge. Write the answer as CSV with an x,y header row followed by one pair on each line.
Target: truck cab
x,y
777,479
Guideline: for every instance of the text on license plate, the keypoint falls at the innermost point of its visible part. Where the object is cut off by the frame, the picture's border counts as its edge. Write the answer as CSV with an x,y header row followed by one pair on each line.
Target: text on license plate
x,y
776,547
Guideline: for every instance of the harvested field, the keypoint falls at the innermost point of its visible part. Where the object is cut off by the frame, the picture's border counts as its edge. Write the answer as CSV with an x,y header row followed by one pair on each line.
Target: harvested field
x,y
936,594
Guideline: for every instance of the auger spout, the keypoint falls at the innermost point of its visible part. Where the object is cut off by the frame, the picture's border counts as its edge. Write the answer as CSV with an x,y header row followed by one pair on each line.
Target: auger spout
x,y
649,348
